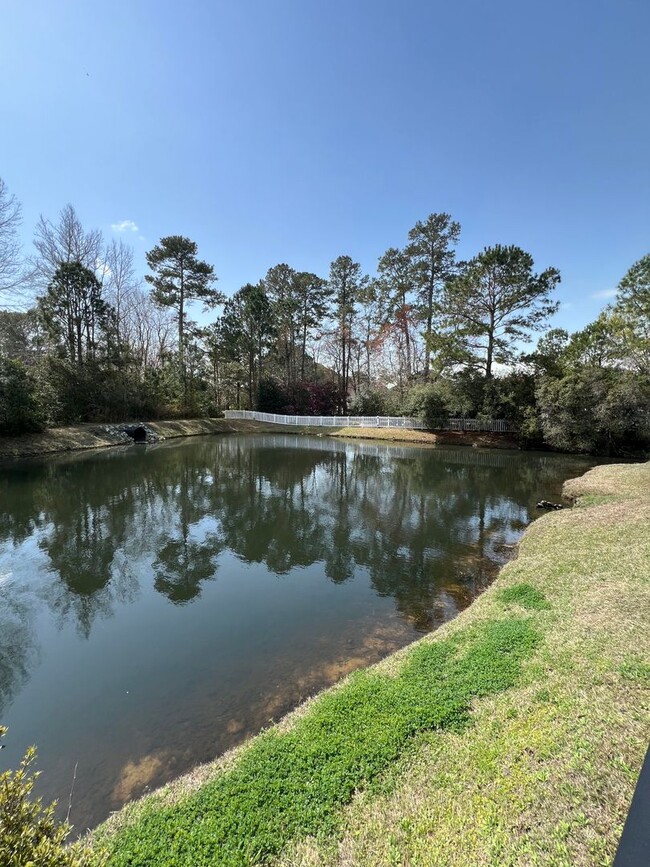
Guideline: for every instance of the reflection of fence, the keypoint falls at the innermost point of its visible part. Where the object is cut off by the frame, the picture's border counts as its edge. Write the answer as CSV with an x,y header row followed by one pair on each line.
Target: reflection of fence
x,y
461,424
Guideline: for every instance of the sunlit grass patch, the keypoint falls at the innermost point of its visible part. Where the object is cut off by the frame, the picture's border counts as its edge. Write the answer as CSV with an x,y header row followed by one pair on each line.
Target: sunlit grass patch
x,y
524,595
636,669
595,500
389,434
611,480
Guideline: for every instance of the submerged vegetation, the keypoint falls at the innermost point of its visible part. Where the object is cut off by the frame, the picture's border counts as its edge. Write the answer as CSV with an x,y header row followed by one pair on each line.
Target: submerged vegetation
x,y
81,339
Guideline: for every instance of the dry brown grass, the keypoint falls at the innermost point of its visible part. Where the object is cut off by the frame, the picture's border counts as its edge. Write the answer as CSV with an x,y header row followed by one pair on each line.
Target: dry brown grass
x,y
386,434
422,437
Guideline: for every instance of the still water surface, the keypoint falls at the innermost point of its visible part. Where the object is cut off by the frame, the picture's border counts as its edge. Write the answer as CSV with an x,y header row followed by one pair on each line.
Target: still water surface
x,y
159,604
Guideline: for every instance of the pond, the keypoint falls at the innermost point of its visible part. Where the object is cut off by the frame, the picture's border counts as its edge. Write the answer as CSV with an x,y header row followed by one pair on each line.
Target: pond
x,y
158,604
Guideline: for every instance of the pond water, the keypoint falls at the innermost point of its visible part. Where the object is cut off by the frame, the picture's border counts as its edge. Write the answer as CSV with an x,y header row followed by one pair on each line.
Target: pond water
x,y
160,604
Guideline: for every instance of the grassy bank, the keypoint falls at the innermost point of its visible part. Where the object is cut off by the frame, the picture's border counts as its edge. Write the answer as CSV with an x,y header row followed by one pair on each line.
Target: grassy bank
x,y
513,735
94,436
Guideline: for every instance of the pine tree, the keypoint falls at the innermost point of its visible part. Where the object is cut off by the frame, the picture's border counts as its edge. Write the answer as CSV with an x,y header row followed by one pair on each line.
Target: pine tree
x,y
74,312
494,304
431,250
345,283
178,278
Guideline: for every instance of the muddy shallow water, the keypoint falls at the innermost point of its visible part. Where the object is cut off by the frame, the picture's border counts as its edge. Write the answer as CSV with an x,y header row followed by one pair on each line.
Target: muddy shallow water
x,y
160,604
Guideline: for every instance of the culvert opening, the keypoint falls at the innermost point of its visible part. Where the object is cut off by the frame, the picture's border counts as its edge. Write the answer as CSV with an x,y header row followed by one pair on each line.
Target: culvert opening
x,y
137,434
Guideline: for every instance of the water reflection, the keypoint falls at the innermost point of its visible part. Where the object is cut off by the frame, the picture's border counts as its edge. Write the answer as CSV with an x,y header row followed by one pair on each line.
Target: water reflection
x,y
243,536
18,644
408,516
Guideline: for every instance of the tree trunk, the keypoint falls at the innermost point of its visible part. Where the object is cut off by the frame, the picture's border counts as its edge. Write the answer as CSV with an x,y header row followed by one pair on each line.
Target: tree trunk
x,y
251,374
490,349
79,355
181,333
304,345
427,335
407,337
343,398
368,336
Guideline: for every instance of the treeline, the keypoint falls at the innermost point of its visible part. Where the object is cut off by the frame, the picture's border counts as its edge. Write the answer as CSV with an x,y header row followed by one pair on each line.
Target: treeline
x,y
82,338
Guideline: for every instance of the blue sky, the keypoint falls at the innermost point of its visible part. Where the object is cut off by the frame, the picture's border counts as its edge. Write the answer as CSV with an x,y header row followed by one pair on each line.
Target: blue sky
x,y
297,130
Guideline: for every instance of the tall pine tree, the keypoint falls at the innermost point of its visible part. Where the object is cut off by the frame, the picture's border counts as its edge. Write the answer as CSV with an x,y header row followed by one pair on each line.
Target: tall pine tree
x,y
431,250
494,304
178,278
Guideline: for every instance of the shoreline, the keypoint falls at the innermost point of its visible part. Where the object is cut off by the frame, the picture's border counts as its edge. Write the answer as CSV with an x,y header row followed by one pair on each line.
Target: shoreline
x,y
573,704
93,435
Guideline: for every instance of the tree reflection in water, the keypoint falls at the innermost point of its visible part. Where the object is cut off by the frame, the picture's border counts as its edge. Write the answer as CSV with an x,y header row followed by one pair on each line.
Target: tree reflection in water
x,y
412,518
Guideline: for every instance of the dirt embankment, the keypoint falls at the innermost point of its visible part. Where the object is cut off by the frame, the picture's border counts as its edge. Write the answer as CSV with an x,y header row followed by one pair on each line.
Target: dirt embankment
x,y
95,436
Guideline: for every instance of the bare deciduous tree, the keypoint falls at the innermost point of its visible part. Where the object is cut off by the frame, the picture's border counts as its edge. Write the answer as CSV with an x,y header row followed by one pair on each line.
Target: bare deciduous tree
x,y
62,242
150,330
10,246
120,283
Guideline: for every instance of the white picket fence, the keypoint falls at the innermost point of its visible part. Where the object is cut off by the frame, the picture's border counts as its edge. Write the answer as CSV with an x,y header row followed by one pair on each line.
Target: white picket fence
x,y
460,424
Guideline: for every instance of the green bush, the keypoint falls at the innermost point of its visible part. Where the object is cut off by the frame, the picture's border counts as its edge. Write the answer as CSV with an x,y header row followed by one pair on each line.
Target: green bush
x,y
510,397
272,396
427,401
99,392
30,836
70,393
596,410
302,398
372,401
19,407
459,396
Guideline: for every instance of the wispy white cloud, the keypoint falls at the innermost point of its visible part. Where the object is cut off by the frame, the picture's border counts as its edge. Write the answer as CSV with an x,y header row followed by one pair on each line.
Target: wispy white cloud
x,y
124,226
604,293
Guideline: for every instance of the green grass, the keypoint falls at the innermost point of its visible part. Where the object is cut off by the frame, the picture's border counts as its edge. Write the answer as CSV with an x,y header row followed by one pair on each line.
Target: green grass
x,y
635,669
292,784
595,500
526,596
